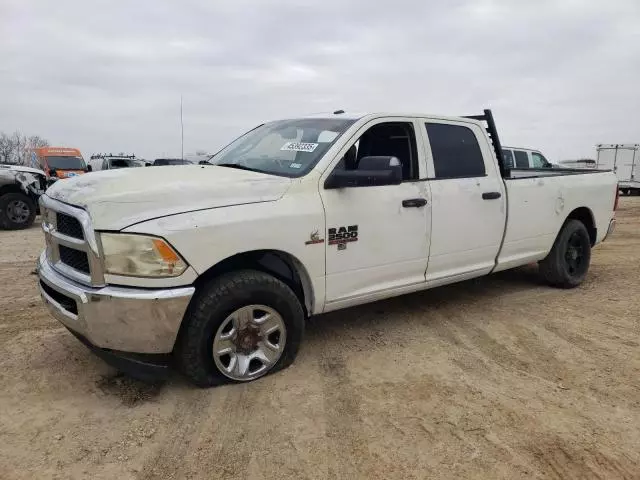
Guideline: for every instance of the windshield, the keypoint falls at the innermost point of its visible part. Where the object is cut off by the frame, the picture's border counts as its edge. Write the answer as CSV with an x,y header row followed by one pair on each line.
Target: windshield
x,y
170,161
287,148
66,163
124,163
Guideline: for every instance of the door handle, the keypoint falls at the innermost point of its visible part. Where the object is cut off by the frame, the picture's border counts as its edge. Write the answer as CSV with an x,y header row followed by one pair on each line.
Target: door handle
x,y
414,202
491,195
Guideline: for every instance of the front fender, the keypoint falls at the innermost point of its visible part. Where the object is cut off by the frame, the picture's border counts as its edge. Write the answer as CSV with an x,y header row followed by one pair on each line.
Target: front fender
x,y
207,237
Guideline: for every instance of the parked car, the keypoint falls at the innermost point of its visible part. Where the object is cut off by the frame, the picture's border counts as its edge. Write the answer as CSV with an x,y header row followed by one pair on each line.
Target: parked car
x,y
525,158
624,160
20,189
216,267
110,162
158,162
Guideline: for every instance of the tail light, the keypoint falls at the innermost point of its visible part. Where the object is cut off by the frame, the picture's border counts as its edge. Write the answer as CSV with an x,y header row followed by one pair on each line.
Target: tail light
x,y
615,204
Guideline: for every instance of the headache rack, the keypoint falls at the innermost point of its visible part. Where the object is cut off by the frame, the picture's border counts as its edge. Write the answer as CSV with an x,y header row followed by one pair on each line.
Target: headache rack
x,y
493,135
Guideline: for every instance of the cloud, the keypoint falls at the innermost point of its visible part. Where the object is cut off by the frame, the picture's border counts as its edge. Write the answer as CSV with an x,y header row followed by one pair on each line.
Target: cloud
x,y
107,76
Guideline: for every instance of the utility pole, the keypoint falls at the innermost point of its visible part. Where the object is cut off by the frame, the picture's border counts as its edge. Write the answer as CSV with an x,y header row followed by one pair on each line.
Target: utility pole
x,y
181,132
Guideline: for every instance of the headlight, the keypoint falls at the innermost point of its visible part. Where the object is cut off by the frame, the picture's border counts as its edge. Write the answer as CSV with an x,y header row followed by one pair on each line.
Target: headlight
x,y
140,256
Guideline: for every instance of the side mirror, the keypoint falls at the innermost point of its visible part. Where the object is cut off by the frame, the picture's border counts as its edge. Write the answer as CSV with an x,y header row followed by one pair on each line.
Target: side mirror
x,y
371,172
89,168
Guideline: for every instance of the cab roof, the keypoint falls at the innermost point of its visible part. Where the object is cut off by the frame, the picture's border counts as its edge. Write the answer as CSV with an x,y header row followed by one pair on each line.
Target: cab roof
x,y
359,115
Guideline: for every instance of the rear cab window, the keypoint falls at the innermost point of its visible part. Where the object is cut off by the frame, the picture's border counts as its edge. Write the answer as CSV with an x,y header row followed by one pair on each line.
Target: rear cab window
x,y
455,150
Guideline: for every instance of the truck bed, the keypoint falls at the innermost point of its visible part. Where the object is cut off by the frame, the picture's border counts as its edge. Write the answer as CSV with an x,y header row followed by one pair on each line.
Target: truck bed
x,y
539,201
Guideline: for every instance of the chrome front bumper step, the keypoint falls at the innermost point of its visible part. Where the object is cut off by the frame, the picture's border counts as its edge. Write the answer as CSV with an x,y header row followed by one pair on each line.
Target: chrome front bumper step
x,y
118,318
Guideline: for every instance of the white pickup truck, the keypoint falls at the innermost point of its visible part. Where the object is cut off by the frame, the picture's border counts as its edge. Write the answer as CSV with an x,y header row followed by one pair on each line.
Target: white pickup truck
x,y
214,268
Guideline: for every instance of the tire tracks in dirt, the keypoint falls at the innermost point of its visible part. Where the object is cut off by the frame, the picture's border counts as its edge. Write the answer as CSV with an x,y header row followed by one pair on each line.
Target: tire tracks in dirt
x,y
183,426
559,460
212,431
347,452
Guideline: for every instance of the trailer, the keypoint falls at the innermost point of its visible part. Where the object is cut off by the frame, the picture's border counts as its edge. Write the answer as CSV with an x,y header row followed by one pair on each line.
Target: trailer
x,y
624,160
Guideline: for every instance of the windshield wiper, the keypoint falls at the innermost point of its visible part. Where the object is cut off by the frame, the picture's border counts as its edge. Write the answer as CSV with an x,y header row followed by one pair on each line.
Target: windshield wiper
x,y
235,165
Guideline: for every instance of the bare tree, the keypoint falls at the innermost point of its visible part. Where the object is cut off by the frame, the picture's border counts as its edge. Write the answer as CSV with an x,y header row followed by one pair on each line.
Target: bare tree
x,y
7,148
36,141
20,145
17,148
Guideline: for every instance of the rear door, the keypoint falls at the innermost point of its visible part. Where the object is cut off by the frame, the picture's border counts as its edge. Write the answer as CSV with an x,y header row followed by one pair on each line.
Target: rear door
x,y
468,201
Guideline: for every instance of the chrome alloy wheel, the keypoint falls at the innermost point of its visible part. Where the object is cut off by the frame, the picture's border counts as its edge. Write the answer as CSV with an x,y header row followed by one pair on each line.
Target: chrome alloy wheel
x,y
249,342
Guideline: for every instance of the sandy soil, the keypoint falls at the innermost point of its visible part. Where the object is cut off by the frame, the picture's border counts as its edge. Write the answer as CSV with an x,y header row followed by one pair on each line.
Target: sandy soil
x,y
496,378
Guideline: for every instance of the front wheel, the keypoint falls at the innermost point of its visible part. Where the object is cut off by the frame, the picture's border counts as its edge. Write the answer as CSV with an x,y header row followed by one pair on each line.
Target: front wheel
x,y
17,211
238,328
567,264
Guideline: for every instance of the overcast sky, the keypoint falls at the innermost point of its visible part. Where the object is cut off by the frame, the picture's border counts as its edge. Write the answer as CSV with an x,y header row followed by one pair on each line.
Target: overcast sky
x,y
107,75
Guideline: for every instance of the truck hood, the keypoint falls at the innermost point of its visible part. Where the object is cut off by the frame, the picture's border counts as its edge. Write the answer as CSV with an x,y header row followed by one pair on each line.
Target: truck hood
x,y
116,199
20,168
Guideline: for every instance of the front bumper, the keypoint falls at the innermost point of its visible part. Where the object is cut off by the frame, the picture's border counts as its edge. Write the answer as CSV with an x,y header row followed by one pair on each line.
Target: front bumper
x,y
124,319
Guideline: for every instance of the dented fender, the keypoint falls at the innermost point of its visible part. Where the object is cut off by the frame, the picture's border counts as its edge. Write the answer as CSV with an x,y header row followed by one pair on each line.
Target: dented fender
x,y
30,181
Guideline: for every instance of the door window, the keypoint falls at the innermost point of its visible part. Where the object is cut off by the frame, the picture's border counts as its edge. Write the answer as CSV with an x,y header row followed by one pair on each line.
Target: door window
x,y
455,150
507,157
395,139
522,159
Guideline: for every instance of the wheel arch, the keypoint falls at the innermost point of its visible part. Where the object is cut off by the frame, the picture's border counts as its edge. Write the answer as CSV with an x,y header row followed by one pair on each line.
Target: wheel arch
x,y
584,215
282,265
11,188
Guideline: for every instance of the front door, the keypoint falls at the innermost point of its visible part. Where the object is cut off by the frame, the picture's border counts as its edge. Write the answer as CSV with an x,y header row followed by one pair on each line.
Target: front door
x,y
377,237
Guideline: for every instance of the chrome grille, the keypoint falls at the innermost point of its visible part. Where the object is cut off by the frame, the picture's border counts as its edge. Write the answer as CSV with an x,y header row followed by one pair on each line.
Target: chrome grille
x,y
72,248
75,259
68,225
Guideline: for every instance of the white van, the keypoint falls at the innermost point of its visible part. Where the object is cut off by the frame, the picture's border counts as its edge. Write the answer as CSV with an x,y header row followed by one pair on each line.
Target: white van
x,y
524,158
624,160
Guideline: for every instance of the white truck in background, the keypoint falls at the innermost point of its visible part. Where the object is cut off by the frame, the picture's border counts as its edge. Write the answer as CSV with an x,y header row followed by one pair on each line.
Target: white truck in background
x,y
624,160
515,157
215,268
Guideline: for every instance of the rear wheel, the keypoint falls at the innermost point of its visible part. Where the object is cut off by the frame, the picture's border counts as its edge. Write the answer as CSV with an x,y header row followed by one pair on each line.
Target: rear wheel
x,y
240,327
17,211
567,264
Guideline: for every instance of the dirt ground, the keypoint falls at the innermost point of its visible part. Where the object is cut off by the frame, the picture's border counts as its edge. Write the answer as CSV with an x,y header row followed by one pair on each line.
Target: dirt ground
x,y
500,377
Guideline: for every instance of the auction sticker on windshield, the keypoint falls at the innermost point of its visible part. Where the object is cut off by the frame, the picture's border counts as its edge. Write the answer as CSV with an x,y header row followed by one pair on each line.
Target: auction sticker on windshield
x,y
299,147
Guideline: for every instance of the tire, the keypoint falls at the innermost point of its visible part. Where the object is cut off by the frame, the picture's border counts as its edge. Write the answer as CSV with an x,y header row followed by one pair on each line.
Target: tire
x,y
216,306
17,211
563,268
